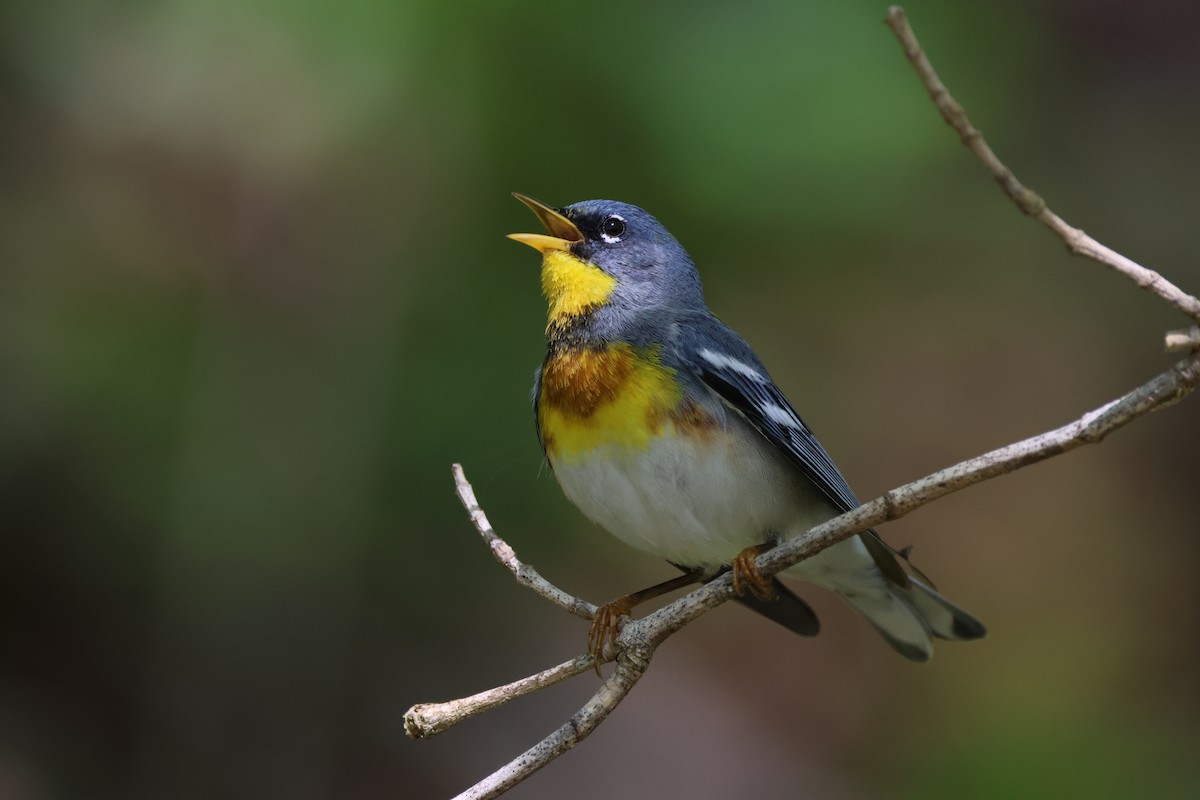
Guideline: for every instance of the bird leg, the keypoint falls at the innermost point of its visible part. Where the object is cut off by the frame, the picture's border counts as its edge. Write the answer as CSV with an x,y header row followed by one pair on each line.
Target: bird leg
x,y
607,622
746,575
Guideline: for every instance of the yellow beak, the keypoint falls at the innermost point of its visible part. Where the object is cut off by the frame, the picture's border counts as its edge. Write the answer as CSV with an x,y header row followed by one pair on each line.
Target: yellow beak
x,y
563,232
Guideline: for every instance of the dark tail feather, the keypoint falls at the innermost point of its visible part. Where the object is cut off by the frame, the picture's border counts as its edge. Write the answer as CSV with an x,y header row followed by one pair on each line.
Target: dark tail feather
x,y
787,609
944,619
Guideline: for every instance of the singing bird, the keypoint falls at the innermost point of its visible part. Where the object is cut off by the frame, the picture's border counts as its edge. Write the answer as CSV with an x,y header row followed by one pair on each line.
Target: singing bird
x,y
662,426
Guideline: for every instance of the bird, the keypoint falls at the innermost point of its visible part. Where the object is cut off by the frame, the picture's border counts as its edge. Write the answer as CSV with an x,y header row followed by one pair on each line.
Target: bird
x,y
661,424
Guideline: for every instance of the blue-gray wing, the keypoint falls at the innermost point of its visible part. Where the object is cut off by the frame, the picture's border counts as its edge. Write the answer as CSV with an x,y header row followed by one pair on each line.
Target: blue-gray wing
x,y
726,365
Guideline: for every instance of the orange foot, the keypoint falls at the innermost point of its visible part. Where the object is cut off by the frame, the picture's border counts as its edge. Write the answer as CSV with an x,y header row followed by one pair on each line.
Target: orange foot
x,y
746,574
607,622
606,625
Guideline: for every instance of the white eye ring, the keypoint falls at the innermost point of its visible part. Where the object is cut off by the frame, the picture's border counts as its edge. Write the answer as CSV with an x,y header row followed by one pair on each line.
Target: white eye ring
x,y
620,229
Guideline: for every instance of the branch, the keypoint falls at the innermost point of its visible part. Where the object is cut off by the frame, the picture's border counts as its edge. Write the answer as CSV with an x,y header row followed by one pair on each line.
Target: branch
x,y
631,665
429,719
525,574
639,638
1078,242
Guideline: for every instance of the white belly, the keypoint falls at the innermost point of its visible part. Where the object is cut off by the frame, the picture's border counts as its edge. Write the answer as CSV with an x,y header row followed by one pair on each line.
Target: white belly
x,y
696,503
699,502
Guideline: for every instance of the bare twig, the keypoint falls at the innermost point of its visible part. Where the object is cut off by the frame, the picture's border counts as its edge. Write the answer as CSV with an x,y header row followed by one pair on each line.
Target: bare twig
x,y
428,719
639,638
1028,201
525,574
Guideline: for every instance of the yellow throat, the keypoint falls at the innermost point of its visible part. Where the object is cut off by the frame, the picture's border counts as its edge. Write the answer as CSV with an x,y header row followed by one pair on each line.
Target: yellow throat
x,y
573,286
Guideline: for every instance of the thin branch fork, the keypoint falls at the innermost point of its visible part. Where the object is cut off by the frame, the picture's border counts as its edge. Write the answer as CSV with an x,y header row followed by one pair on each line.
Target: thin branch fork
x,y
638,639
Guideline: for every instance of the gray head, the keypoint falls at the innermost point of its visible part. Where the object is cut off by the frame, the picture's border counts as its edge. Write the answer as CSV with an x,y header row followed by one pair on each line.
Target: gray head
x,y
649,266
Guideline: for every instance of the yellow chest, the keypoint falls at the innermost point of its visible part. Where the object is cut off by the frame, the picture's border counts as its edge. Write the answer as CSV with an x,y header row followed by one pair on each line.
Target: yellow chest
x,y
592,398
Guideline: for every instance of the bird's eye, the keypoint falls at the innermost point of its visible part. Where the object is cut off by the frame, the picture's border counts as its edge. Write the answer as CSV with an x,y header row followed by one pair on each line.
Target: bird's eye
x,y
612,228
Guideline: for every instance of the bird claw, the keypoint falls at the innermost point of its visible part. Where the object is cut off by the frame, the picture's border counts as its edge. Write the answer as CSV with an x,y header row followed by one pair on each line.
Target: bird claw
x,y
746,575
606,624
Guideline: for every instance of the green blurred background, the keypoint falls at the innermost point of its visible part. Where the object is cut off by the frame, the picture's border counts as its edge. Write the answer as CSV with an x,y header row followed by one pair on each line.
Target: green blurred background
x,y
255,299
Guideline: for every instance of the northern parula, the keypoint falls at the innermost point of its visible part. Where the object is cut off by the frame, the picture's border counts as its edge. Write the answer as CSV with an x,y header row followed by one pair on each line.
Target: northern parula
x,y
662,425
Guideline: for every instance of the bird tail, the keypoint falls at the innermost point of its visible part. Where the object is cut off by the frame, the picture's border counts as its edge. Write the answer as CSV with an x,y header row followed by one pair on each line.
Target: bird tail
x,y
908,617
944,619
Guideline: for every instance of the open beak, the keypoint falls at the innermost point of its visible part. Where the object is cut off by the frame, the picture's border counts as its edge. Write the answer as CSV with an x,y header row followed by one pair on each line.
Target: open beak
x,y
563,232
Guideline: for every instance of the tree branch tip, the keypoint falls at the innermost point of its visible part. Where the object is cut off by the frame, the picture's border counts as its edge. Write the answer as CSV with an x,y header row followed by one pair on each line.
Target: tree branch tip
x,y
415,725
1183,339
